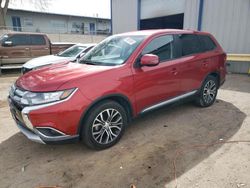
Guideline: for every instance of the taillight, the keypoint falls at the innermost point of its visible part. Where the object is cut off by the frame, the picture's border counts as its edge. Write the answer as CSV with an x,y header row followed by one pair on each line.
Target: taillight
x,y
225,63
224,57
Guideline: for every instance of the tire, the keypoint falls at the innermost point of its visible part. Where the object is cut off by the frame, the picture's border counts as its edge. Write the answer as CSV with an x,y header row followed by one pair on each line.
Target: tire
x,y
208,92
104,125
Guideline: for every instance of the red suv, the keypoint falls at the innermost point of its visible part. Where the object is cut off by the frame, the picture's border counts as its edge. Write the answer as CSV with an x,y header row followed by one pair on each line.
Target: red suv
x,y
122,77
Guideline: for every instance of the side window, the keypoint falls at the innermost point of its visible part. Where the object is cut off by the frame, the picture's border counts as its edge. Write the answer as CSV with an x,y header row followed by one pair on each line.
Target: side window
x,y
160,46
190,44
37,40
20,40
207,43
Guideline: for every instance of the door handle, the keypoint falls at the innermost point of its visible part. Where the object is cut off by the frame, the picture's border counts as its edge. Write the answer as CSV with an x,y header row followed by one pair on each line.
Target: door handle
x,y
174,71
205,63
26,48
46,48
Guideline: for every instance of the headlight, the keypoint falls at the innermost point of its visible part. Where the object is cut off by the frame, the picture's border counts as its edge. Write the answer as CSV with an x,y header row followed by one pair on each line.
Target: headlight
x,y
31,98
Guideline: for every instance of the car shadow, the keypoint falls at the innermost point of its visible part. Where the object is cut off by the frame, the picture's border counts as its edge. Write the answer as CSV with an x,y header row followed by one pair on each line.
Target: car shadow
x,y
144,156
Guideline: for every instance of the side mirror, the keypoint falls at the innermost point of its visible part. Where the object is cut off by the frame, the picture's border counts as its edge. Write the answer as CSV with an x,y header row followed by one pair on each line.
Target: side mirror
x,y
82,54
150,60
7,43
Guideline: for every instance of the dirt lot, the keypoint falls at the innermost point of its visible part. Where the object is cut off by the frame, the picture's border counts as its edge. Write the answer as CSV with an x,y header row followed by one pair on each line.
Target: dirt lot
x,y
145,155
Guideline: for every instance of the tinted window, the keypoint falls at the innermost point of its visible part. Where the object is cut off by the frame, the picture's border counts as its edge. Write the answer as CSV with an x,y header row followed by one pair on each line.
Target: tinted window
x,y
37,40
207,43
18,40
190,44
161,46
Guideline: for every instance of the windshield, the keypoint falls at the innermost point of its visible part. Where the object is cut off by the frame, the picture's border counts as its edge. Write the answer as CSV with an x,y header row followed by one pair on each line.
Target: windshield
x,y
72,51
114,50
3,38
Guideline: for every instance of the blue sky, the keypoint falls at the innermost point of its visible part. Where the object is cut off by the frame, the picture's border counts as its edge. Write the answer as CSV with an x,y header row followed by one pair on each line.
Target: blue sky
x,y
72,7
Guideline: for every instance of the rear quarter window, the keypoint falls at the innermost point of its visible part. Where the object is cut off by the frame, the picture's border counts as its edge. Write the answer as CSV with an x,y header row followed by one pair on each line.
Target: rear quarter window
x,y
206,42
37,40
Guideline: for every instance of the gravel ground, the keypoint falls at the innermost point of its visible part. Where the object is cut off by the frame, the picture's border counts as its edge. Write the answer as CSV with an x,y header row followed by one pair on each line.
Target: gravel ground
x,y
145,155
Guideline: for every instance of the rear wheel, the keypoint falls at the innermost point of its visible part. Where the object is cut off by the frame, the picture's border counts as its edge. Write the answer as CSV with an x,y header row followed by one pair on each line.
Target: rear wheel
x,y
104,126
208,92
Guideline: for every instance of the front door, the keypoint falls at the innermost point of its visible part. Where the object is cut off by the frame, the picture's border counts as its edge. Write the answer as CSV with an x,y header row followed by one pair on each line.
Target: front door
x,y
19,52
16,23
159,83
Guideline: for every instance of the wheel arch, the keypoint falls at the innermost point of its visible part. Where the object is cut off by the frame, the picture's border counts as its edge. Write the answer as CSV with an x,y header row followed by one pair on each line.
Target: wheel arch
x,y
215,74
119,98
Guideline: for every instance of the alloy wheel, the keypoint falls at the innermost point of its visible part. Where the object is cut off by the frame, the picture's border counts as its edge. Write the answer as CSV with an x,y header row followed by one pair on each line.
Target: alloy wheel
x,y
209,91
107,126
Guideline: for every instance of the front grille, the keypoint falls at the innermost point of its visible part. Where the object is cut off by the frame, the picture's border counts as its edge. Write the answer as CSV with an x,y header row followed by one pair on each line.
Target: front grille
x,y
16,113
15,95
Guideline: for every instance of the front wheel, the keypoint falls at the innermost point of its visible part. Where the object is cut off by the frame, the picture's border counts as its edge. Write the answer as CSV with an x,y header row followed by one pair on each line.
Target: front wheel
x,y
208,92
104,126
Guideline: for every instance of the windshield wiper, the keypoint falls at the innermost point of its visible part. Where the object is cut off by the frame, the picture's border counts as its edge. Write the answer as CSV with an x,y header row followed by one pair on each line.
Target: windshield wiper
x,y
89,62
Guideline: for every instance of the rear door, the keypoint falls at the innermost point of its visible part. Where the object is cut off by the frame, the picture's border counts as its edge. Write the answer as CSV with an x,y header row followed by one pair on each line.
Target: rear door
x,y
192,63
19,51
156,84
39,46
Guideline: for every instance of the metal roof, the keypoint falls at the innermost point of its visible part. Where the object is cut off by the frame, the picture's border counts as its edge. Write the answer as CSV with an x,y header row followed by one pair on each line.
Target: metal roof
x,y
57,14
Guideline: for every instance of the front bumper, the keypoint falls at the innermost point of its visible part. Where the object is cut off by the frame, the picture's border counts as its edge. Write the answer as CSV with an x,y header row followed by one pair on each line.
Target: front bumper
x,y
37,134
29,134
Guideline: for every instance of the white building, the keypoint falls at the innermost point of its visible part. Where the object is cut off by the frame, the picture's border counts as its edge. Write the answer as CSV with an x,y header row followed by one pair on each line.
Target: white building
x,y
32,21
227,20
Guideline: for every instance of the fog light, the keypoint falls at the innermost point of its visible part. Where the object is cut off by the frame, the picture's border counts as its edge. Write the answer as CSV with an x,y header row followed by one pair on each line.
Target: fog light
x,y
49,132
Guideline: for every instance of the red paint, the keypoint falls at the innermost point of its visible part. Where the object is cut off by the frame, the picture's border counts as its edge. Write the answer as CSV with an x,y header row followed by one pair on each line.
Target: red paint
x,y
143,86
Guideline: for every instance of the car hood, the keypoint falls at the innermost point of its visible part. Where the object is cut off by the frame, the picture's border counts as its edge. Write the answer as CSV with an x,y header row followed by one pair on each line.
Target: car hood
x,y
46,60
52,77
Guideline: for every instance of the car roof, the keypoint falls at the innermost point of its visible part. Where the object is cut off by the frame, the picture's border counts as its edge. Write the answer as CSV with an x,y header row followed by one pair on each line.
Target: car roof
x,y
24,33
159,31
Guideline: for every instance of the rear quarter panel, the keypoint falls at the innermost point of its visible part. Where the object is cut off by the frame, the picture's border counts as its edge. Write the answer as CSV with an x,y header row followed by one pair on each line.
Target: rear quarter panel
x,y
217,59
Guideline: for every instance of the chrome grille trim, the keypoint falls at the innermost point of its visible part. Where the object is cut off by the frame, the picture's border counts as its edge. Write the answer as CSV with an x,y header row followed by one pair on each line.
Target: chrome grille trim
x,y
16,94
19,92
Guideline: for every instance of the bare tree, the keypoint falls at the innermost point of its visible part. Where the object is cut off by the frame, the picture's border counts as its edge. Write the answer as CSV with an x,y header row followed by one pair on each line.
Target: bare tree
x,y
3,11
4,4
